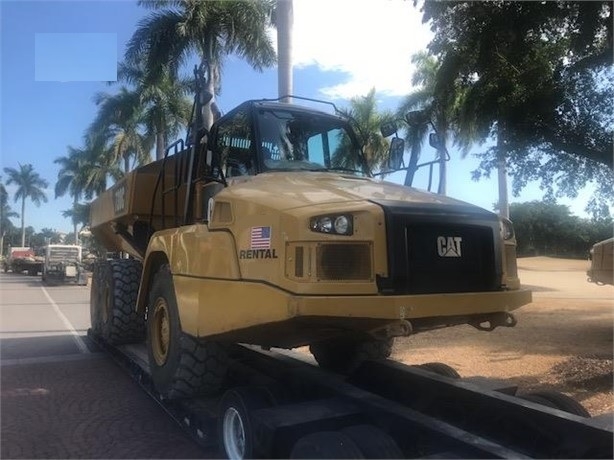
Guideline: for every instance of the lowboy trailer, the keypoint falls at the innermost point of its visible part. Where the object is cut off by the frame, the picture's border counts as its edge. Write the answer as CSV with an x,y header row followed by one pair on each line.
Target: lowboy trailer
x,y
278,406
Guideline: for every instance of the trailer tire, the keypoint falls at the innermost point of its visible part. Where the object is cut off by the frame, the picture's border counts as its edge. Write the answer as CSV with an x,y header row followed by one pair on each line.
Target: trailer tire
x,y
345,356
373,442
235,429
113,310
181,365
557,400
440,369
326,444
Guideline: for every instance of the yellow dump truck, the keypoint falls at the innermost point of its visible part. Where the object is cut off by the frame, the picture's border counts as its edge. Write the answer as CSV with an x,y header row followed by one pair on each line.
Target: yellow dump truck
x,y
257,232
601,258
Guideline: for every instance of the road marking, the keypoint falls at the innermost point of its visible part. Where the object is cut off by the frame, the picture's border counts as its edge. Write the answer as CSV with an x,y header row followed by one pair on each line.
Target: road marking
x,y
75,335
49,359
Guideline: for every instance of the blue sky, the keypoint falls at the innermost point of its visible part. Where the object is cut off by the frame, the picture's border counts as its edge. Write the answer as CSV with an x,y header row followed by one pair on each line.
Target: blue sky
x,y
56,55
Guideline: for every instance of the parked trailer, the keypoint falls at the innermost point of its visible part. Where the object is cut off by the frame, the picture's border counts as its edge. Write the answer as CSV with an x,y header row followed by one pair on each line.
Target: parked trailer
x,y
23,259
277,406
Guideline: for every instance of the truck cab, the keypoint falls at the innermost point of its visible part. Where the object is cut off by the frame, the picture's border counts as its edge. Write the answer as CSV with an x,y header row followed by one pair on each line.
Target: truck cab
x,y
63,264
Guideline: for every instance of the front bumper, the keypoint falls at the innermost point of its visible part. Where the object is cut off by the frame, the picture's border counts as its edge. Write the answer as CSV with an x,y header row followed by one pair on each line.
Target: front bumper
x,y
246,311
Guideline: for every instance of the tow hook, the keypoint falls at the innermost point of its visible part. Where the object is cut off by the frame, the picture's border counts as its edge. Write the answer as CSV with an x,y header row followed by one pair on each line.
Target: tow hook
x,y
401,328
490,322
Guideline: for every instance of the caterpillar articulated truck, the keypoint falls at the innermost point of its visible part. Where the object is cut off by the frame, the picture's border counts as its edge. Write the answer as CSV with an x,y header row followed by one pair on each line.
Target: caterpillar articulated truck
x,y
257,231
268,230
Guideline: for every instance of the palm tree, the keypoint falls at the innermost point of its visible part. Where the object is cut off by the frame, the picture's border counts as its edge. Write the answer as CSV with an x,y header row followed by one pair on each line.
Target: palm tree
x,y
29,185
165,106
214,29
99,165
366,121
120,120
78,214
438,106
5,214
71,177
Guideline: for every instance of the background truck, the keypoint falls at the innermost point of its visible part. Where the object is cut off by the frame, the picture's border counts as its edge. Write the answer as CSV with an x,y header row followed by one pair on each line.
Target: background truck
x,y
256,232
601,258
63,264
23,259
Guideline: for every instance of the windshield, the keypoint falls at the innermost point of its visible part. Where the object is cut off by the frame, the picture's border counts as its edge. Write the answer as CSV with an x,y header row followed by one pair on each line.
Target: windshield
x,y
301,141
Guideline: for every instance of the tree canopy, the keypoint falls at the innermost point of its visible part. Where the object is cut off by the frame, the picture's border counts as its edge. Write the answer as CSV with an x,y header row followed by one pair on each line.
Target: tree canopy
x,y
539,76
549,229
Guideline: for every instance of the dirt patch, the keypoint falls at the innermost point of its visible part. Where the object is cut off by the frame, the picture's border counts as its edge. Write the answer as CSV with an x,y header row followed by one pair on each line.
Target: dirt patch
x,y
563,340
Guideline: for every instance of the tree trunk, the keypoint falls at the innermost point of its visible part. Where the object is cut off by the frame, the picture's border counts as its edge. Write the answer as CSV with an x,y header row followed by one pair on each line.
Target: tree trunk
x,y
74,220
23,224
443,179
160,145
126,163
285,19
504,206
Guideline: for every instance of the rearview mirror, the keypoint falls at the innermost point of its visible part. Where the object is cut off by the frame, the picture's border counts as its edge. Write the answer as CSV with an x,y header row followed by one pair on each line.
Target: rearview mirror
x,y
388,129
435,141
395,154
416,118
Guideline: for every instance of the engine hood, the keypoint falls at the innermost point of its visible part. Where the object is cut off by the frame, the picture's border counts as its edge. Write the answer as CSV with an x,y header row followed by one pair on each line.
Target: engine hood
x,y
291,190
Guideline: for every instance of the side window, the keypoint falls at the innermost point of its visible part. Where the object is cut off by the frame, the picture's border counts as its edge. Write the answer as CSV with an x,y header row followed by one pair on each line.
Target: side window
x,y
234,145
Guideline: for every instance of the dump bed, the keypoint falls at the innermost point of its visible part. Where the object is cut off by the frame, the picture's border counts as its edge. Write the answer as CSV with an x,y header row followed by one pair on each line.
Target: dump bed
x,y
123,217
602,263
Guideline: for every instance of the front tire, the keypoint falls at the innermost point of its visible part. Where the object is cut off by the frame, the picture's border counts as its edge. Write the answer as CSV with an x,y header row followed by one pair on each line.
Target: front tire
x,y
346,355
181,365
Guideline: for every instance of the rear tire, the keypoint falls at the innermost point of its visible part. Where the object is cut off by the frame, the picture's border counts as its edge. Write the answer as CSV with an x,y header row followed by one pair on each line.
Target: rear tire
x,y
235,430
440,369
373,442
326,444
113,302
557,400
181,365
345,356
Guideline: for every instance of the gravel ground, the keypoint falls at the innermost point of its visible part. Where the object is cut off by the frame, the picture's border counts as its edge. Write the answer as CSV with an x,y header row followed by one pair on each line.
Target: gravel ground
x,y
563,340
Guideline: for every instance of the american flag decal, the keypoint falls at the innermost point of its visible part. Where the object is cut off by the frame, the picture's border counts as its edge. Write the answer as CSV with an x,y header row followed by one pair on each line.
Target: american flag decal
x,y
260,238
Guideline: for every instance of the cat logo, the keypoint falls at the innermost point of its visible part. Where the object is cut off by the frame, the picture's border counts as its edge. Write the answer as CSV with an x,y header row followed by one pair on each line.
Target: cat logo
x,y
449,246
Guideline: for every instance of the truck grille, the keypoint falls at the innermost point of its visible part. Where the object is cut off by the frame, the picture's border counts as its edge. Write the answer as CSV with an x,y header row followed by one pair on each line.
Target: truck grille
x,y
343,261
441,252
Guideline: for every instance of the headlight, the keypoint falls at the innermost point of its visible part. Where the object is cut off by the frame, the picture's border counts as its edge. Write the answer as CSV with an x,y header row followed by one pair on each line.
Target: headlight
x,y
338,224
507,229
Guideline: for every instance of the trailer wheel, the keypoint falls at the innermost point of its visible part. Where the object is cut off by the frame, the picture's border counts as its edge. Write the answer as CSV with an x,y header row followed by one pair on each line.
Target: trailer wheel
x,y
326,444
440,369
235,430
373,442
114,307
344,356
181,365
557,400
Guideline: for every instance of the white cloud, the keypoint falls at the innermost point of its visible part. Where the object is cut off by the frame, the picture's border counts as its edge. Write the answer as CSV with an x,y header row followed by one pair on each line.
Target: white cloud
x,y
370,40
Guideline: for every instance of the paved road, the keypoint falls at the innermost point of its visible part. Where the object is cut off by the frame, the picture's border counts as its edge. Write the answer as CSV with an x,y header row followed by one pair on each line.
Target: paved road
x,y
60,396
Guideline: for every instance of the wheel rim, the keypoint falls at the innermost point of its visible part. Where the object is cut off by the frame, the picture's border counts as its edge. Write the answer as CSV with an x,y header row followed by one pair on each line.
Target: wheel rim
x,y
160,333
234,434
